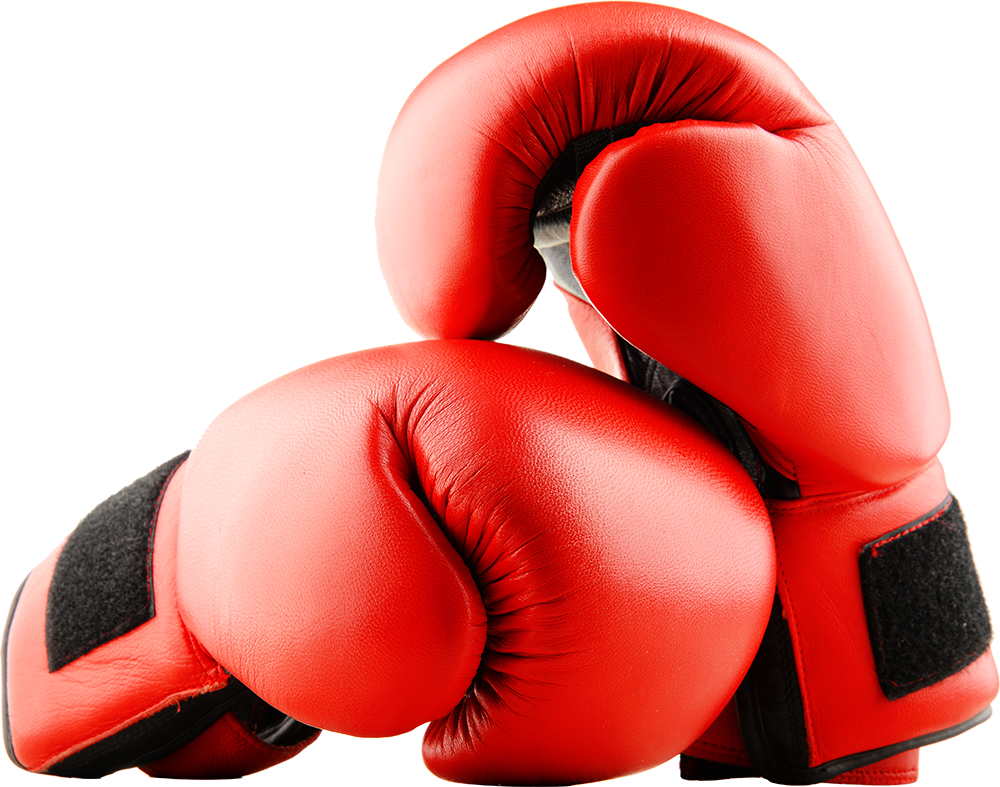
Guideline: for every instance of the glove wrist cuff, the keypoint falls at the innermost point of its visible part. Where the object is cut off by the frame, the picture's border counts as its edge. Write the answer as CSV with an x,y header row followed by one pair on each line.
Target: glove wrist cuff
x,y
814,704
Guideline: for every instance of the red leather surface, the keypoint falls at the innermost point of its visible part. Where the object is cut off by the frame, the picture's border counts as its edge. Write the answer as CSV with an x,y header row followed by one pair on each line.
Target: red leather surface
x,y
585,584
226,750
902,769
722,741
476,137
53,715
788,296
598,337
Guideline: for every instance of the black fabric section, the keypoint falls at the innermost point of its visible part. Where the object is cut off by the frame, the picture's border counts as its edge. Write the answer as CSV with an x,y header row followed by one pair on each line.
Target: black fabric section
x,y
695,769
724,424
927,616
8,742
102,584
154,737
550,215
588,147
772,683
269,724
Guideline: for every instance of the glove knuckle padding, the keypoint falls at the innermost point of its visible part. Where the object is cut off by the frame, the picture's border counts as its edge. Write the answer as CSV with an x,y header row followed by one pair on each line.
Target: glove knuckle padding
x,y
780,273
496,116
536,555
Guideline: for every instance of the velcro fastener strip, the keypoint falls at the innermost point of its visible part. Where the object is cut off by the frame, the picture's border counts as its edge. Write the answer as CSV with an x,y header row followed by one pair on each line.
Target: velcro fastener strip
x,y
927,616
102,584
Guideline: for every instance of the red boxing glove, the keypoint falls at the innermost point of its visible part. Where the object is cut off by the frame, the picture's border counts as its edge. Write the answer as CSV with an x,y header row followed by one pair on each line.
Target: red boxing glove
x,y
569,577
721,247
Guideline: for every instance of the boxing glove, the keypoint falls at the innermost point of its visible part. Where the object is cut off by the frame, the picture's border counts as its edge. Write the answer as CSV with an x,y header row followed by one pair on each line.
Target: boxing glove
x,y
568,578
721,247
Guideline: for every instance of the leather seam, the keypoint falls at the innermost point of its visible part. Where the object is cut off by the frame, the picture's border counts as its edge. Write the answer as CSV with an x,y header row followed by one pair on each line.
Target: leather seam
x,y
209,668
938,515
833,502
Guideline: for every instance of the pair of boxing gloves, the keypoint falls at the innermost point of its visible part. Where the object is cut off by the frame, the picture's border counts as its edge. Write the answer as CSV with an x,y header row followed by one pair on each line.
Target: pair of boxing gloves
x,y
568,577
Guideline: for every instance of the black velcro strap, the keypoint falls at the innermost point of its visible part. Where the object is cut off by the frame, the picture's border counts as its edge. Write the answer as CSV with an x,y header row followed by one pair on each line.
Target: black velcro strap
x,y
927,617
102,584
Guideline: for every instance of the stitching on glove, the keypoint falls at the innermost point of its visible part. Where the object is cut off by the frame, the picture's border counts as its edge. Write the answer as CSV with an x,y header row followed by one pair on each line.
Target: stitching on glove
x,y
938,515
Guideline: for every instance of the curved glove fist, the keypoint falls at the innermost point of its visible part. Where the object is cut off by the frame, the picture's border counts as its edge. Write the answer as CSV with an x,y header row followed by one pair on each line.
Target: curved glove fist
x,y
566,577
